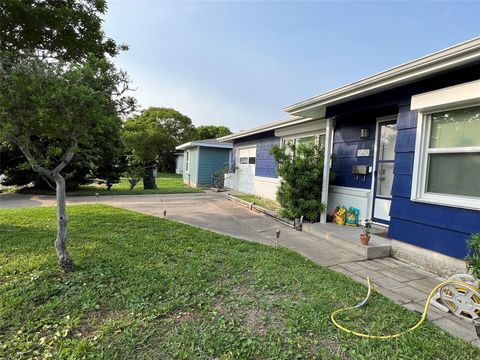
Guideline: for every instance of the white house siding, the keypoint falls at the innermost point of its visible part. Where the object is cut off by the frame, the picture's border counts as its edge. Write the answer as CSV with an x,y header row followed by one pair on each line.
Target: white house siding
x,y
190,177
265,187
350,197
179,164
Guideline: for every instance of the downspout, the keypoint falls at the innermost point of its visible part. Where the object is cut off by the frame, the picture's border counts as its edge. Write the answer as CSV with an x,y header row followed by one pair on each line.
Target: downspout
x,y
326,167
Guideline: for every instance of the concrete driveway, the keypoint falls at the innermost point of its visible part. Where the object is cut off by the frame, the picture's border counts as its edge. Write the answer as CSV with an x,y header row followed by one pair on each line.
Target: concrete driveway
x,y
209,210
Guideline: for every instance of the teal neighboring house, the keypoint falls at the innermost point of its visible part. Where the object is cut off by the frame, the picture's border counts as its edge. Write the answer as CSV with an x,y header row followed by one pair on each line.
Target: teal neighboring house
x,y
201,158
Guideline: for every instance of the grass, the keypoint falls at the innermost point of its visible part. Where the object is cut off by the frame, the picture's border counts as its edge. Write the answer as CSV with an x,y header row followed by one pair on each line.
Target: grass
x,y
166,184
147,287
265,203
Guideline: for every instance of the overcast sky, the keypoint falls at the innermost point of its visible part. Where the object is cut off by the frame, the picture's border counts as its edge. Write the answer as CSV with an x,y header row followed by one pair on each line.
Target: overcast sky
x,y
239,63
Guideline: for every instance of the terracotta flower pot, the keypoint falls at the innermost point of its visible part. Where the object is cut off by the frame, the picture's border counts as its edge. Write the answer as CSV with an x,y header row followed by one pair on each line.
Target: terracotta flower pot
x,y
364,239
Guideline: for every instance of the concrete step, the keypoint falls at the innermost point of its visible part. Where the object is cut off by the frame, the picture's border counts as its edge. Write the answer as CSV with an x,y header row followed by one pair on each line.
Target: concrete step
x,y
348,238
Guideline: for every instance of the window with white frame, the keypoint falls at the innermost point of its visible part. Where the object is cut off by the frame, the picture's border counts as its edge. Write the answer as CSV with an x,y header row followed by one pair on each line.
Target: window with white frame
x,y
454,152
187,160
302,140
447,170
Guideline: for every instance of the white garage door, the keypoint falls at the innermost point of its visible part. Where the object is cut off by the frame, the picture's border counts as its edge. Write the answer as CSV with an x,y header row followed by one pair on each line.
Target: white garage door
x,y
246,158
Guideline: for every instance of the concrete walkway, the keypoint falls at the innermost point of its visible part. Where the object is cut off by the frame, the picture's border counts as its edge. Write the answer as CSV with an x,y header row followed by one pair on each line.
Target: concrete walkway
x,y
403,283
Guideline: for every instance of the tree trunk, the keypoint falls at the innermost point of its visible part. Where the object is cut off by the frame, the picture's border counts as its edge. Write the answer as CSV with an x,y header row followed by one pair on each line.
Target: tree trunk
x,y
64,259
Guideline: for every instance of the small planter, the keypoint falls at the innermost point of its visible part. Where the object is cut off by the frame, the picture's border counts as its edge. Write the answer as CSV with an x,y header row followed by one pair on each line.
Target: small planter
x,y
364,239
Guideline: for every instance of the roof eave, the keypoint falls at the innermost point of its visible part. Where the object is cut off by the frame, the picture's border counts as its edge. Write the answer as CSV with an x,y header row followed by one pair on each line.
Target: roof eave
x,y
292,120
455,56
199,144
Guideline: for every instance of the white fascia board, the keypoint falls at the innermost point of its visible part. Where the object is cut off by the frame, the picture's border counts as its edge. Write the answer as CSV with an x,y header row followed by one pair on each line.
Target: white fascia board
x,y
307,127
455,56
292,120
451,96
183,146
200,144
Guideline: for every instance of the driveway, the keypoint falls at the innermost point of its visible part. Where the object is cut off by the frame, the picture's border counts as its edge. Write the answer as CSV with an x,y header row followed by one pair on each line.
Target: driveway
x,y
209,210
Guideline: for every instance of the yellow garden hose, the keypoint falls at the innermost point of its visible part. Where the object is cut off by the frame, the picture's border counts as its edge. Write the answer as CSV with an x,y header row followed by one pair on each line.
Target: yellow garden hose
x,y
424,315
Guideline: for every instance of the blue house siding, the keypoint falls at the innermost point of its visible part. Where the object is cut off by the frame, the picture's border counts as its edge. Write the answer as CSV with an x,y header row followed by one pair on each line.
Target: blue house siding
x,y
435,227
265,164
210,160
440,228
346,142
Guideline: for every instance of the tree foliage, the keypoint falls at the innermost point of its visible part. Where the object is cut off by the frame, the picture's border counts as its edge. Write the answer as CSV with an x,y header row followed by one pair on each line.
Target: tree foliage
x,y
101,159
63,29
473,257
301,171
58,90
211,132
151,136
134,174
49,109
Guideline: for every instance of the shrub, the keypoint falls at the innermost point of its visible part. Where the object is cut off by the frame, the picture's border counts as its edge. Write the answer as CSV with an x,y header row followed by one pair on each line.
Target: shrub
x,y
134,174
301,170
473,257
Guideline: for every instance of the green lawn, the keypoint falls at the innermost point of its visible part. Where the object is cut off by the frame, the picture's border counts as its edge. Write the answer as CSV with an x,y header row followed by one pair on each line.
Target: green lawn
x,y
147,287
265,203
166,184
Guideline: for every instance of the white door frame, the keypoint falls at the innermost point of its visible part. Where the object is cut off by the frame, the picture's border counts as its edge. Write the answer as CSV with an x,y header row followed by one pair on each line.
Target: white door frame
x,y
379,120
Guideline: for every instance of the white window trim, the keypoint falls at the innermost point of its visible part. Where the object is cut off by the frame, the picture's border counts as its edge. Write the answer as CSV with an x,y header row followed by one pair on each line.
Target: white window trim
x,y
314,134
419,175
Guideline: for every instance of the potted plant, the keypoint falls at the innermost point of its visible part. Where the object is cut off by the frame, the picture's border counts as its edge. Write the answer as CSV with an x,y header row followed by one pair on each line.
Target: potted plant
x,y
365,237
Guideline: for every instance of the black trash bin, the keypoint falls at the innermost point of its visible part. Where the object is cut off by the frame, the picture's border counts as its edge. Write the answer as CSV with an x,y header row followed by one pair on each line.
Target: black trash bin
x,y
149,181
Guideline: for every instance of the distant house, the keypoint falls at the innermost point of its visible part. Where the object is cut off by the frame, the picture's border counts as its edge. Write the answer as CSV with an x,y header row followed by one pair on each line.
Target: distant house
x,y
179,163
406,146
202,158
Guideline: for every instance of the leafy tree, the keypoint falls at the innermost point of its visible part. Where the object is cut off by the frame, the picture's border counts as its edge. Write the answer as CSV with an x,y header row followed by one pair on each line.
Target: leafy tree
x,y
151,136
63,29
50,109
101,159
61,102
301,171
211,132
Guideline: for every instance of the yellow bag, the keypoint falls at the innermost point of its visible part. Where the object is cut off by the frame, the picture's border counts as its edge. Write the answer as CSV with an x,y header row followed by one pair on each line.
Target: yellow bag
x,y
340,215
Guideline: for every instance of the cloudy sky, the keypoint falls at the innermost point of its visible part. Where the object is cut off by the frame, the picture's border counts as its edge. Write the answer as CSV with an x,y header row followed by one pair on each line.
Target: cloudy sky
x,y
239,63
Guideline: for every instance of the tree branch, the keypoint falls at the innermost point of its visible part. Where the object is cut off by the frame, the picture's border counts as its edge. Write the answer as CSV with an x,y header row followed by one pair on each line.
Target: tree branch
x,y
33,163
67,157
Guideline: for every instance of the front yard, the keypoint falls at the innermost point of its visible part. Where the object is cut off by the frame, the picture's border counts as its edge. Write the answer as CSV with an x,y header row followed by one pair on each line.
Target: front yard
x,y
147,287
166,184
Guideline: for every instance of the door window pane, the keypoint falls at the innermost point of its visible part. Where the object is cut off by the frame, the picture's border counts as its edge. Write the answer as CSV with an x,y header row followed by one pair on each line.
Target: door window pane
x,y
244,160
386,144
384,179
455,174
455,128
251,160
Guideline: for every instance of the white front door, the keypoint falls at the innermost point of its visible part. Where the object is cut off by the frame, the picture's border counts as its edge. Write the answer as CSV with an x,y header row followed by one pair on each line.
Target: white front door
x,y
245,163
383,179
